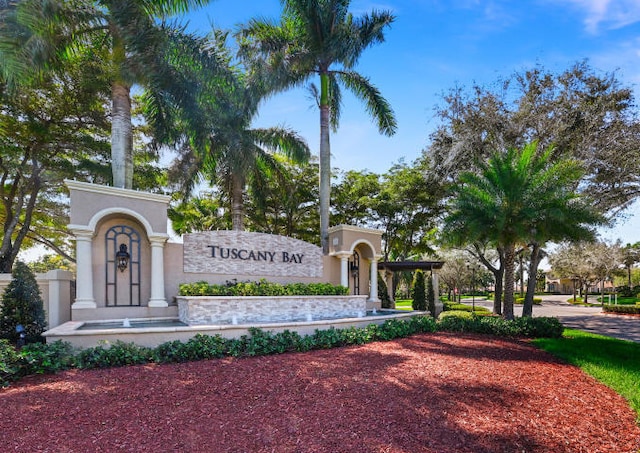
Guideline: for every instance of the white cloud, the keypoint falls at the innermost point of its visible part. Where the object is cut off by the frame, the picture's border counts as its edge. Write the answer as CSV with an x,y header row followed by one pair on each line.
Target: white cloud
x,y
608,14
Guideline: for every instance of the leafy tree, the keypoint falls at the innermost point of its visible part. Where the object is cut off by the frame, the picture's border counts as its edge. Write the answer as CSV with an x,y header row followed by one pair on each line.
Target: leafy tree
x,y
286,204
580,261
49,133
123,37
49,263
406,209
200,213
353,198
586,115
631,255
22,304
236,153
519,197
321,37
418,292
453,273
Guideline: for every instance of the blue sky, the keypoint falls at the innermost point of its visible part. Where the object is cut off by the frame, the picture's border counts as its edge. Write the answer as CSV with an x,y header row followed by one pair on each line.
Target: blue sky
x,y
435,45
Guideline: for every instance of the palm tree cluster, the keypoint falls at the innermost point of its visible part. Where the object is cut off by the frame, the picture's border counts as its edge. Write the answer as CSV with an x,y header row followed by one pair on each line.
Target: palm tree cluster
x,y
520,199
196,96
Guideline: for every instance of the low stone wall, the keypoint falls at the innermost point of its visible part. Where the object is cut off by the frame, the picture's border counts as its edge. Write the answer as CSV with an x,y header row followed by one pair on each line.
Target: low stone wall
x,y
203,310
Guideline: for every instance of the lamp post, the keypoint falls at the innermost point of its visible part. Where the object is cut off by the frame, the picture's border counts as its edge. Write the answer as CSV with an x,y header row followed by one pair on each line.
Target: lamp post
x,y
21,336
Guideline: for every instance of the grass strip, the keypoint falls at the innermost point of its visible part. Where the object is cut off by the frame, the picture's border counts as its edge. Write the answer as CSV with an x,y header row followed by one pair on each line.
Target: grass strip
x,y
615,363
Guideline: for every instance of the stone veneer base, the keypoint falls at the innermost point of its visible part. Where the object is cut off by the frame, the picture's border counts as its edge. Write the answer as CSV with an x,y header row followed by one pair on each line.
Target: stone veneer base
x,y
206,310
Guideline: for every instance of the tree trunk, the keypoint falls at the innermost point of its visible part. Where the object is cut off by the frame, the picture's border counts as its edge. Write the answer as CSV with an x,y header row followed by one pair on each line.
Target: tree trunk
x,y
325,163
527,307
498,275
509,270
121,136
237,202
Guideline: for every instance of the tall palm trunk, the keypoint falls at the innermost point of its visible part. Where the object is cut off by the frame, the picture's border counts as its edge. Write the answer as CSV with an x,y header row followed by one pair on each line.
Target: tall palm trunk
x,y
121,136
325,163
237,202
509,280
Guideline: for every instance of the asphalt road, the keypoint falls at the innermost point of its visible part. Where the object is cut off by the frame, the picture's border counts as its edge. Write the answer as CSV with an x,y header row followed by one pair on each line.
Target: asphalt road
x,y
590,319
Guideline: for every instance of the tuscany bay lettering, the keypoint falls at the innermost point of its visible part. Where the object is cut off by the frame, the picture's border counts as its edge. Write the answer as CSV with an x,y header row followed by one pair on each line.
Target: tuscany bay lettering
x,y
227,253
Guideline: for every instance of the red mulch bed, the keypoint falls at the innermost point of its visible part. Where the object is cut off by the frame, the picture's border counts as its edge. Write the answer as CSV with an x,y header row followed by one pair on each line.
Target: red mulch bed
x,y
428,393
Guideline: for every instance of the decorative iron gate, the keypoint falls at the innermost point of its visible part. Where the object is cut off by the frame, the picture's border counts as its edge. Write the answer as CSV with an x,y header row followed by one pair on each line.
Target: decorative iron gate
x,y
122,246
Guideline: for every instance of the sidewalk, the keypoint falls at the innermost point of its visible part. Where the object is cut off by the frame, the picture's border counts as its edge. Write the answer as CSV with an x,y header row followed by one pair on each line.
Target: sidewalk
x,y
590,319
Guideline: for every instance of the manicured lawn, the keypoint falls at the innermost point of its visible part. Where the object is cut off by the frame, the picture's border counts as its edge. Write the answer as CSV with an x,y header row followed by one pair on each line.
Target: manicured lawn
x,y
404,304
615,363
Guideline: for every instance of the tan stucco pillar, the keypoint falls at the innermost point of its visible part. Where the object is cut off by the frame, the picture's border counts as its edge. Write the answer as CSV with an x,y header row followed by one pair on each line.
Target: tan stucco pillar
x,y
436,291
344,268
84,268
373,281
158,298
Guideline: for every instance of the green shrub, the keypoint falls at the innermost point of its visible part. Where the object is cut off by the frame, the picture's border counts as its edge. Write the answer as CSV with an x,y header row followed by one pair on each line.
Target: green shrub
x,y
261,288
22,304
11,364
541,327
383,293
623,309
418,292
354,335
456,314
199,347
519,327
520,300
119,354
449,306
44,358
327,339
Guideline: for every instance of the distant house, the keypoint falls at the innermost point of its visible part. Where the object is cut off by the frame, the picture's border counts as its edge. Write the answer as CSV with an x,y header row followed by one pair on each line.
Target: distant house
x,y
566,285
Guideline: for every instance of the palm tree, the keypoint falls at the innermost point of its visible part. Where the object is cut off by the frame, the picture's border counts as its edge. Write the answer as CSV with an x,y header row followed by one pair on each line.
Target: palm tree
x,y
235,152
518,198
38,35
321,37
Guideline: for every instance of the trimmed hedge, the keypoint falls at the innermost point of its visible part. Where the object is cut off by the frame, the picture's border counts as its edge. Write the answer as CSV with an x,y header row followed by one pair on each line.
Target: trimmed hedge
x,y
50,358
519,327
261,288
520,300
454,306
623,309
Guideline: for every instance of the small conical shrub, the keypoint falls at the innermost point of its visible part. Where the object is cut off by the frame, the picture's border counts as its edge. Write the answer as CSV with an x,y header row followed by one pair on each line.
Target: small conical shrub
x,y
383,293
419,297
22,304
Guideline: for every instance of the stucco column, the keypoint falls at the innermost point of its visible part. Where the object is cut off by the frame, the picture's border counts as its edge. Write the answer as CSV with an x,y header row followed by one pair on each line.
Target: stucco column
x,y
84,269
158,298
436,292
344,267
373,282
388,279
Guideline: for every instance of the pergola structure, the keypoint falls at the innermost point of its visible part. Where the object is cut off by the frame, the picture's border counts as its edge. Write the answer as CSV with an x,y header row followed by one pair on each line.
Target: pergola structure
x,y
391,267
